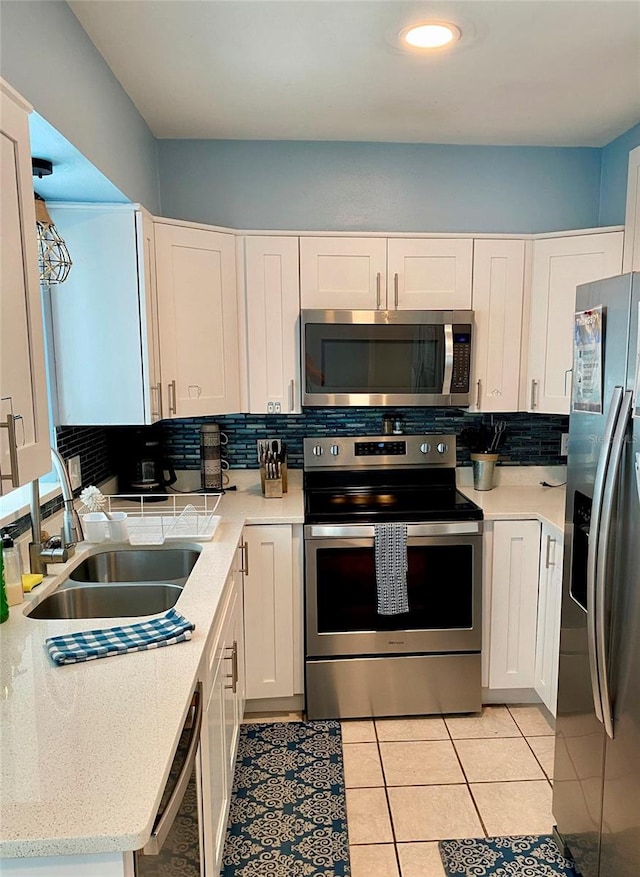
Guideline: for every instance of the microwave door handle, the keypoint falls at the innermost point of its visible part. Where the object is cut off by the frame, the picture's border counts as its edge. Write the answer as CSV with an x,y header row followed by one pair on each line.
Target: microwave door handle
x,y
608,496
165,820
448,359
594,541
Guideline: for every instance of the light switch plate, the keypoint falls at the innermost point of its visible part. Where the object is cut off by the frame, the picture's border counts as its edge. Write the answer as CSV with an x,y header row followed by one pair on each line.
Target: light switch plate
x,y
75,472
564,444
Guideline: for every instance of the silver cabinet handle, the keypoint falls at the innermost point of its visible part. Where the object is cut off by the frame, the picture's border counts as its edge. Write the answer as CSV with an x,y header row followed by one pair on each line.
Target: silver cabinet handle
x,y
292,394
478,394
395,290
568,371
604,540
547,560
10,426
165,820
233,657
156,389
244,548
172,397
534,393
594,541
378,291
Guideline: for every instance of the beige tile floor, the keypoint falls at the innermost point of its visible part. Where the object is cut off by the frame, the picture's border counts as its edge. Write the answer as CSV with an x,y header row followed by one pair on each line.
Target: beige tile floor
x,y
413,782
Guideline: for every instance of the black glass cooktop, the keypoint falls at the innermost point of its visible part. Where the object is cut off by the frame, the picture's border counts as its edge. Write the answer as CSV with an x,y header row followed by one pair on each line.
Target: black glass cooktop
x,y
351,504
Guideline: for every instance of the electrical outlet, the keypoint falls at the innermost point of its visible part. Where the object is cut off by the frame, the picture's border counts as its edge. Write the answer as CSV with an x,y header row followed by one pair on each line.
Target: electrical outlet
x,y
75,472
564,444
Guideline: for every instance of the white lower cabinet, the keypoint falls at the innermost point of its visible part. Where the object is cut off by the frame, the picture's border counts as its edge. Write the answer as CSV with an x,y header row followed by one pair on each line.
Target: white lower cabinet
x,y
514,602
270,601
222,672
549,608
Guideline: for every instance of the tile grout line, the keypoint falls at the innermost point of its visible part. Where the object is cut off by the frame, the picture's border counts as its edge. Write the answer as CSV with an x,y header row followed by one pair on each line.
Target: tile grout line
x,y
386,795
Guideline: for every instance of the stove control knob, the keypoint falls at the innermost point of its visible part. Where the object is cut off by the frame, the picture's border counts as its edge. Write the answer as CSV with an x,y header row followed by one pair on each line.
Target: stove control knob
x,y
442,448
318,450
425,447
334,450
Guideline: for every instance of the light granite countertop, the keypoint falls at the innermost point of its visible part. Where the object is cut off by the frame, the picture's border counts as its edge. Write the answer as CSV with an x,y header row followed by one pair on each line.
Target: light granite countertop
x,y
86,748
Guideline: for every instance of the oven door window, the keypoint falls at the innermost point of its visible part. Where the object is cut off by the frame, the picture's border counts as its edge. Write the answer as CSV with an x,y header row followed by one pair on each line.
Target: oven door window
x,y
439,583
351,358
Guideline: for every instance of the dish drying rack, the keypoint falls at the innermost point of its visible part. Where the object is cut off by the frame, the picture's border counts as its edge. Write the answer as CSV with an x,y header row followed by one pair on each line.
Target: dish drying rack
x,y
153,519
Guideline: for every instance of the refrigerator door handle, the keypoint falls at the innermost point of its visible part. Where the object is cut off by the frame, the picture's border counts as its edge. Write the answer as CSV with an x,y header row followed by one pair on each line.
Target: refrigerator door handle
x,y
594,541
604,540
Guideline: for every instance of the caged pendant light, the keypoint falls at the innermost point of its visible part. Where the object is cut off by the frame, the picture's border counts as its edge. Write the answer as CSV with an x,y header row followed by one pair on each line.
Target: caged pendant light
x,y
54,260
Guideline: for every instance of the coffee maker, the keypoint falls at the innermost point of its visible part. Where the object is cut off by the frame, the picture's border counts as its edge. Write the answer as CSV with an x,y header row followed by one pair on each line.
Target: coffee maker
x,y
144,467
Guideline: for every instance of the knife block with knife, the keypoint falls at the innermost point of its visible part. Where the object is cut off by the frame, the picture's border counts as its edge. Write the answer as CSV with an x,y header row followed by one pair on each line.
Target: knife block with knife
x,y
272,455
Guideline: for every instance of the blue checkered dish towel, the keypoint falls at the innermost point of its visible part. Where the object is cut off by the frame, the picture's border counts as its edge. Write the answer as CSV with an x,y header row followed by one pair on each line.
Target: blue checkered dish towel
x,y
87,645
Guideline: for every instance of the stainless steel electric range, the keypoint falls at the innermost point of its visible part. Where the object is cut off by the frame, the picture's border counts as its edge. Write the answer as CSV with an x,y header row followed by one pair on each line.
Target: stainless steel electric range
x,y
426,660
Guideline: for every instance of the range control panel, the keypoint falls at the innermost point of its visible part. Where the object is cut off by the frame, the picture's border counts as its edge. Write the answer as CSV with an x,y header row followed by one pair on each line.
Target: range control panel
x,y
352,452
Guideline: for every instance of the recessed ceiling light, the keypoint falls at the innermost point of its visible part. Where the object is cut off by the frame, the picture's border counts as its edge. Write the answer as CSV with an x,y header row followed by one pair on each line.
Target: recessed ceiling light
x,y
431,35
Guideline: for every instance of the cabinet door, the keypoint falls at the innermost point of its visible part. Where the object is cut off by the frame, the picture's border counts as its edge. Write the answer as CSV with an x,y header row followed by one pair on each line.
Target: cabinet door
x,y
196,277
23,391
514,600
214,780
498,288
343,273
96,318
631,252
273,324
559,265
268,611
149,317
429,273
549,607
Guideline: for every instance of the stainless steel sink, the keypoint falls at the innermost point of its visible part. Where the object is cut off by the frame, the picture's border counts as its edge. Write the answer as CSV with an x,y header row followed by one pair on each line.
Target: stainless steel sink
x,y
171,565
108,601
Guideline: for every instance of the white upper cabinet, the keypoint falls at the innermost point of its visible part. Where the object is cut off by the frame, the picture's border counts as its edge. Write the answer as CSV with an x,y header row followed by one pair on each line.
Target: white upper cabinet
x,y
559,265
631,252
429,274
272,304
343,273
498,290
376,273
196,276
24,419
104,317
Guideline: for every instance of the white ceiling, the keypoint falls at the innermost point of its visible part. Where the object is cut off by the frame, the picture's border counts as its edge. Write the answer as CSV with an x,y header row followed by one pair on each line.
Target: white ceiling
x,y
536,72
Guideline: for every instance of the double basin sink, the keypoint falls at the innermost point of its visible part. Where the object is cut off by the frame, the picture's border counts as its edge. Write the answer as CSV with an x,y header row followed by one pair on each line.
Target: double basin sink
x,y
121,582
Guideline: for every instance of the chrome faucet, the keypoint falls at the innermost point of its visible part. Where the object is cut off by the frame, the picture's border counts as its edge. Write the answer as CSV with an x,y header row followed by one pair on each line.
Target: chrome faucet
x,y
40,554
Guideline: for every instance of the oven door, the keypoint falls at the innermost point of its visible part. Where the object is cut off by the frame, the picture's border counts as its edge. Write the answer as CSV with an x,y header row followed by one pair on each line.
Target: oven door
x,y
444,583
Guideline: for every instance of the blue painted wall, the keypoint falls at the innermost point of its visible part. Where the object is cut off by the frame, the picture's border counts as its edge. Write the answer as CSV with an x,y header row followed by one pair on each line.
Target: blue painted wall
x,y
379,186
47,57
615,163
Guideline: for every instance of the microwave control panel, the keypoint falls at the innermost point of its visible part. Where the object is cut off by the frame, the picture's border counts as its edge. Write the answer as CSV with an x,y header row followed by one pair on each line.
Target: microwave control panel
x,y
461,359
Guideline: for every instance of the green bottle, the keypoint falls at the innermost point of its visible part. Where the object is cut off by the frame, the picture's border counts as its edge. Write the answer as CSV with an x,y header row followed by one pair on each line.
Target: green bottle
x,y
4,606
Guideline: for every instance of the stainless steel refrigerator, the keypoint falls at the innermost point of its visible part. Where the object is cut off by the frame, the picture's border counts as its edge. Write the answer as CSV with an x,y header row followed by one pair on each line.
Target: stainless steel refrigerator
x,y
596,793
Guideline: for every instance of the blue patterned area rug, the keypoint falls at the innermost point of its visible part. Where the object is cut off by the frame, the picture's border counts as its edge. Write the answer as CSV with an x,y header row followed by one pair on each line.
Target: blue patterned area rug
x,y
526,856
288,814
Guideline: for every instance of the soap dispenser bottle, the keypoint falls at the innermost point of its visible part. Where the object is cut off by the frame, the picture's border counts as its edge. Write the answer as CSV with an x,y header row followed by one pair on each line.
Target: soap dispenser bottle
x,y
12,571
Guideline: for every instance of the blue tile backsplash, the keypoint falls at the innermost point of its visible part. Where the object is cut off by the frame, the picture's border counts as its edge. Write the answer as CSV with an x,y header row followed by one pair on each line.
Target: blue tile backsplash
x,y
530,439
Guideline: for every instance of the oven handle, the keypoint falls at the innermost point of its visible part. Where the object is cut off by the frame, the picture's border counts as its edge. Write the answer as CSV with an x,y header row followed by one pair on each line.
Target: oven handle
x,y
364,531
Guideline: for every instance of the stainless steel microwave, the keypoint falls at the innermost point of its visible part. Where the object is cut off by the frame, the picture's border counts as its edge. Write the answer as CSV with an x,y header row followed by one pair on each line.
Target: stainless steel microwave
x,y
392,358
